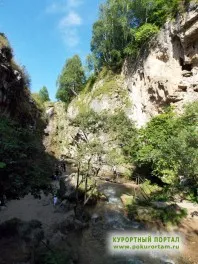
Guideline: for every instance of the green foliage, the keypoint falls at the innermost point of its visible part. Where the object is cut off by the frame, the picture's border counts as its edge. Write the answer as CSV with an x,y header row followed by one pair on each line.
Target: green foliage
x,y
4,41
24,73
37,100
111,33
149,188
170,215
192,196
124,131
92,64
27,167
155,11
88,121
111,84
124,26
145,32
170,193
89,84
108,88
121,129
71,80
2,165
168,145
5,47
44,95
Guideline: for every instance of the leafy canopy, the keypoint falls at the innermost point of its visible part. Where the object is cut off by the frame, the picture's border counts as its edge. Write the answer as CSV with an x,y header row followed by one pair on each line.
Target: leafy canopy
x,y
124,26
44,95
24,166
168,145
71,80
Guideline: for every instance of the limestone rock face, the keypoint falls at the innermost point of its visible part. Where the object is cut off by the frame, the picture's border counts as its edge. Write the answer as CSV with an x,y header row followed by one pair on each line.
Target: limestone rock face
x,y
166,73
15,98
59,132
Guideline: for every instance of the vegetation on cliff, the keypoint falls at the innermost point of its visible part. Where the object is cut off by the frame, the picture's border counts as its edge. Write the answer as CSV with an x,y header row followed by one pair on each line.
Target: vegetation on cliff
x,y
41,98
44,95
24,165
168,145
124,27
71,80
166,148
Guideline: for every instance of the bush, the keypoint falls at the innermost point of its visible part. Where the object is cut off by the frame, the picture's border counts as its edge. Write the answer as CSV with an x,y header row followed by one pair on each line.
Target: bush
x,y
145,33
172,214
168,146
24,165
124,27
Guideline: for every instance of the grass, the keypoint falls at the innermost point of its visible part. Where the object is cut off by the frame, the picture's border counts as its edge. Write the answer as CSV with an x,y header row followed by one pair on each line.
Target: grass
x,y
170,215
81,105
89,85
145,211
109,87
149,188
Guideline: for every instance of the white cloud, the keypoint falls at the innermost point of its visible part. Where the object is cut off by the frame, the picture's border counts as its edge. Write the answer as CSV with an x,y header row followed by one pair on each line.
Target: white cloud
x,y
71,19
68,28
61,6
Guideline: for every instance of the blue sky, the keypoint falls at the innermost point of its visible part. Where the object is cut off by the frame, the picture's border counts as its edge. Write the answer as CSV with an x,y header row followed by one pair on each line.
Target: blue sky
x,y
44,33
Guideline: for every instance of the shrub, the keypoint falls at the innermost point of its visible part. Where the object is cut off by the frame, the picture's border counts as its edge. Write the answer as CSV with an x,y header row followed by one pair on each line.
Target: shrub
x,y
24,165
168,145
145,32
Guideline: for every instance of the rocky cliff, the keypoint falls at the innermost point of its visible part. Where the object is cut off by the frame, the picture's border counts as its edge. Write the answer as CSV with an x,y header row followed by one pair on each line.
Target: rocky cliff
x,y
15,99
25,167
166,73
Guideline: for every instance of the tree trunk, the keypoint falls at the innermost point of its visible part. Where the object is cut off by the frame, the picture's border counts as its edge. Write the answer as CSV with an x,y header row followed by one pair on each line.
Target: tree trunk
x,y
85,197
86,180
73,90
77,184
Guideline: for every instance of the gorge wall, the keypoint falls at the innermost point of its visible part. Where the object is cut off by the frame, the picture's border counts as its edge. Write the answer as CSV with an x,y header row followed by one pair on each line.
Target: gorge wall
x,y
166,73
15,98
25,167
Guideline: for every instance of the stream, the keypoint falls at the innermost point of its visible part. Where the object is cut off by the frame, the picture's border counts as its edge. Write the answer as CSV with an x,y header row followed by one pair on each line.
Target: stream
x,y
109,216
90,244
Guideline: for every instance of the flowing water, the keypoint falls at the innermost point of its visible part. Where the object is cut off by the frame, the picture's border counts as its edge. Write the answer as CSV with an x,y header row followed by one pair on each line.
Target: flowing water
x,y
109,216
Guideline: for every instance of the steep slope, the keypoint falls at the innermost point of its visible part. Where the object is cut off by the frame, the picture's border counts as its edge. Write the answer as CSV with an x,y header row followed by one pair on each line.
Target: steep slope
x,y
167,73
15,99
24,165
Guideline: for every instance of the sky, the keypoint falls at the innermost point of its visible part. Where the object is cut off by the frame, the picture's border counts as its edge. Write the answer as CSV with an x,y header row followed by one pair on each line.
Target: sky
x,y
44,33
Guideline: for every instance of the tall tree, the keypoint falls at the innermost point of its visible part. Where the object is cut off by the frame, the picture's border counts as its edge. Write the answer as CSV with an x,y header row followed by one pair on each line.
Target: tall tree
x,y
114,33
44,95
111,33
71,80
